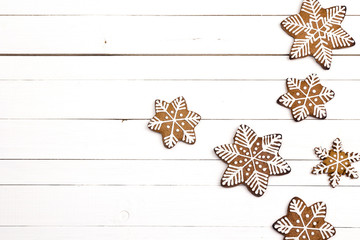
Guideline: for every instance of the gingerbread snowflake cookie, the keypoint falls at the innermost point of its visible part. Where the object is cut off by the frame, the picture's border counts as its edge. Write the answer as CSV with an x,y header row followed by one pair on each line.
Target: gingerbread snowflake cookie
x,y
336,162
317,31
306,97
251,160
174,121
303,222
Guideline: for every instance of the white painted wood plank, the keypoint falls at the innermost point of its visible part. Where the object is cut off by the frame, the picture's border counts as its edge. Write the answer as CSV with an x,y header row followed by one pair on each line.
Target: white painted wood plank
x,y
116,99
150,233
133,140
167,206
159,67
140,7
136,172
152,35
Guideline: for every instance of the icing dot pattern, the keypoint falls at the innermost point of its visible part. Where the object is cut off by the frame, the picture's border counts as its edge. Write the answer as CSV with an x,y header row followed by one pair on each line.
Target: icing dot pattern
x,y
305,222
174,121
306,98
248,160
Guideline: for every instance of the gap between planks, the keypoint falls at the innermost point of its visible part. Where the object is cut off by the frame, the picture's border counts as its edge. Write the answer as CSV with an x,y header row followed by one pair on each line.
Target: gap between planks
x,y
169,80
148,119
142,226
155,15
156,55
153,185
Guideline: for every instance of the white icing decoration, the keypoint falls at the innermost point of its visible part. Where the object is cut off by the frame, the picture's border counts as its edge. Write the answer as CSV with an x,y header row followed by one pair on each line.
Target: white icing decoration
x,y
302,111
256,180
321,32
191,118
304,228
336,161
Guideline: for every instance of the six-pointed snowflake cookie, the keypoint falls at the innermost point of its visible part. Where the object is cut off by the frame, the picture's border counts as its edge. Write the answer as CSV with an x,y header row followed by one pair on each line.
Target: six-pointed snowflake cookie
x,y
336,162
174,121
303,222
251,160
317,31
306,97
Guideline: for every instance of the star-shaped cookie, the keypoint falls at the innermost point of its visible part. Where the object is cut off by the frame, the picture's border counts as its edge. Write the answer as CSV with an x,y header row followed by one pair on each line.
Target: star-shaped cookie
x,y
303,222
251,160
174,121
336,162
306,97
317,31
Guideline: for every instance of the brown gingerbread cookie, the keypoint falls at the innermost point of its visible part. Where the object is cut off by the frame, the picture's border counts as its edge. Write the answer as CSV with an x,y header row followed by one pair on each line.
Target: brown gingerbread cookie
x,y
317,31
306,97
305,223
174,121
252,160
336,162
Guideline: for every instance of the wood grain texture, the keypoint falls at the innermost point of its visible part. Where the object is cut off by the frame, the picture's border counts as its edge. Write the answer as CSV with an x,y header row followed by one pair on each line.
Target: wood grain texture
x,y
78,82
149,233
104,139
164,206
164,172
188,68
152,35
128,99
161,7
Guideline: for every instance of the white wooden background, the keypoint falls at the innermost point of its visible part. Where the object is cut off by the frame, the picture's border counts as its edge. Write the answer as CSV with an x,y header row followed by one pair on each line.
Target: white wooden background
x,y
78,80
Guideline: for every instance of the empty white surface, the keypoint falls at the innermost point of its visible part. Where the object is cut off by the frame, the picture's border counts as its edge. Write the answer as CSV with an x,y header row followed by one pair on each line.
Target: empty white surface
x,y
77,160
